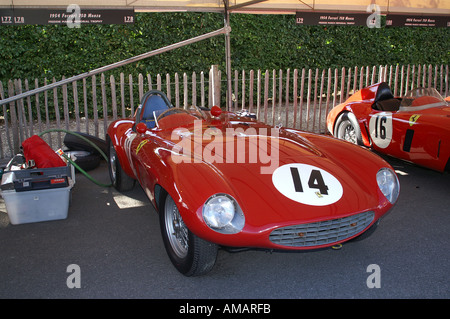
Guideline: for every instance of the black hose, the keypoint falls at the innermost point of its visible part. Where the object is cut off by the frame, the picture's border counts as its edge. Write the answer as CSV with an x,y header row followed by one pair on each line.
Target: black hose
x,y
75,164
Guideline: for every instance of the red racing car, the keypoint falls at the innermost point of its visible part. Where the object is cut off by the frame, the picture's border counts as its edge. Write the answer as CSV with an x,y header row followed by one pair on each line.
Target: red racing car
x,y
414,128
223,179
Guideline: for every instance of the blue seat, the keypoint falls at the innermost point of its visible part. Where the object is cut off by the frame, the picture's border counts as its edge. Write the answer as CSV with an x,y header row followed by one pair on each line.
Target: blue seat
x,y
153,101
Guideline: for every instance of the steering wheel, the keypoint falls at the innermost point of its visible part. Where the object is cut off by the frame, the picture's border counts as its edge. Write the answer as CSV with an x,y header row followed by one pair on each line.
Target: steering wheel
x,y
199,111
176,109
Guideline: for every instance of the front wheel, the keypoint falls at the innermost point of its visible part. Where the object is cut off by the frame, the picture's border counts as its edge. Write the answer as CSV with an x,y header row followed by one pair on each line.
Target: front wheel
x,y
191,255
347,129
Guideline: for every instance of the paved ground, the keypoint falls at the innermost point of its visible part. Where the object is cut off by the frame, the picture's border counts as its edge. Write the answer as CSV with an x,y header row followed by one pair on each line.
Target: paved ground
x,y
116,243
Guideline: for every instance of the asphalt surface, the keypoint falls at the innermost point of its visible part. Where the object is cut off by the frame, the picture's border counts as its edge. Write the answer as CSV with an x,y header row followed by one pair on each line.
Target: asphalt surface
x,y
116,242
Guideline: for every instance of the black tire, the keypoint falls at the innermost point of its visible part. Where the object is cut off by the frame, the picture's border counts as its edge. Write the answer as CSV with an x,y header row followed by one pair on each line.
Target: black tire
x,y
447,166
75,143
191,255
119,179
347,128
84,159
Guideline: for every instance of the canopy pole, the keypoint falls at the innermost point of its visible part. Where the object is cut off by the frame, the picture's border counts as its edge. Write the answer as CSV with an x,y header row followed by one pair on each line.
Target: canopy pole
x,y
228,54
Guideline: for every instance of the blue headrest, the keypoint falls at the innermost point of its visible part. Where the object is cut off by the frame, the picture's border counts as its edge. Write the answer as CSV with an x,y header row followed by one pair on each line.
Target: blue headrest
x,y
153,102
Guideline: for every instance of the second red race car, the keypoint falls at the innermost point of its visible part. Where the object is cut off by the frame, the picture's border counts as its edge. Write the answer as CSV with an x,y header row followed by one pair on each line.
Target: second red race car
x,y
414,128
223,179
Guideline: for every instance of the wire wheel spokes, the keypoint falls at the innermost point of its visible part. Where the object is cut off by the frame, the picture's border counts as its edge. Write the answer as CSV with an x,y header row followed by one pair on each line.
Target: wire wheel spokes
x,y
177,232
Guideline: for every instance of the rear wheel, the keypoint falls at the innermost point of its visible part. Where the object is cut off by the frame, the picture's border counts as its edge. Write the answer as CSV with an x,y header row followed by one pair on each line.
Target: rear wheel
x,y
347,129
191,255
119,179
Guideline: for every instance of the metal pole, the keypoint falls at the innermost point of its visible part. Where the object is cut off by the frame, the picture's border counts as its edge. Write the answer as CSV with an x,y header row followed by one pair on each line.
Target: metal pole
x,y
228,54
215,85
224,30
246,4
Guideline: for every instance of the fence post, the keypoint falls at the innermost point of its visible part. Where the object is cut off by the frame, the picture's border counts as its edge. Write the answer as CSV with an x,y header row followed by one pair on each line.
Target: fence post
x,y
215,85
5,118
14,121
57,114
185,91
194,89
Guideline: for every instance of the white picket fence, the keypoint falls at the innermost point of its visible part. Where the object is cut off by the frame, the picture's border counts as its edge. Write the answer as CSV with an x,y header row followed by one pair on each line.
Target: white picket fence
x,y
296,98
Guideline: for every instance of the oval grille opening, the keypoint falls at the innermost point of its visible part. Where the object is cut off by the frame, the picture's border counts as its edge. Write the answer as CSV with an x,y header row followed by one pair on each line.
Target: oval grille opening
x,y
323,232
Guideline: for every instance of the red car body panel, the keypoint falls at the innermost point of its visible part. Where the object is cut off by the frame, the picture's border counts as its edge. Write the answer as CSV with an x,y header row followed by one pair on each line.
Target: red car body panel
x,y
149,158
420,136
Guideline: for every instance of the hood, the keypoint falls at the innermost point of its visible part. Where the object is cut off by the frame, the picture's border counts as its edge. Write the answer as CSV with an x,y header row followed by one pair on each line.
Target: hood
x,y
283,175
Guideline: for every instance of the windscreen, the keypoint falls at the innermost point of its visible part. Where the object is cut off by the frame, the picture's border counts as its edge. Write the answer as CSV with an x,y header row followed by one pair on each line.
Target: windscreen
x,y
421,99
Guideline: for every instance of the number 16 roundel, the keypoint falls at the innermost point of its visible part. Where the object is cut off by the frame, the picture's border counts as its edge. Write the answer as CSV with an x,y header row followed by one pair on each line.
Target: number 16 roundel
x,y
307,184
380,127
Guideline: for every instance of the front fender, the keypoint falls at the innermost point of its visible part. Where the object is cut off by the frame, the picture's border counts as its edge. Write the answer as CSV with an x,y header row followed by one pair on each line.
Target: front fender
x,y
333,115
190,185
360,109
118,132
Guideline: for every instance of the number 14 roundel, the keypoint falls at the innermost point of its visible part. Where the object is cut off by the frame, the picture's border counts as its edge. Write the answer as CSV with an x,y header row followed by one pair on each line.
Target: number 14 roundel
x,y
307,184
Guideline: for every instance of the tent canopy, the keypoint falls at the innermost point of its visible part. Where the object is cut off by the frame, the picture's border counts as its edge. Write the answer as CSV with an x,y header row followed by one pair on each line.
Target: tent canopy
x,y
247,6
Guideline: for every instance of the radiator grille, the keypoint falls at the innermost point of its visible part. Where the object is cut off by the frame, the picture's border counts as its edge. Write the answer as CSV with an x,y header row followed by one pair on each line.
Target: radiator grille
x,y
323,232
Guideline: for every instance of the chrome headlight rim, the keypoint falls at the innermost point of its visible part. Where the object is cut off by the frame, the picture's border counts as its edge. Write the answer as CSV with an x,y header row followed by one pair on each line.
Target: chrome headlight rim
x,y
388,184
217,215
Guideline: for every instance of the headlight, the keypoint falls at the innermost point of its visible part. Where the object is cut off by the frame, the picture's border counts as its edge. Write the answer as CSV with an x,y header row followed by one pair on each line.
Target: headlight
x,y
222,213
388,184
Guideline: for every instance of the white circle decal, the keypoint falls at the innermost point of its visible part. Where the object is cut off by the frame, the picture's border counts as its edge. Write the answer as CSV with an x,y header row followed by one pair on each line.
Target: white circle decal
x,y
380,127
307,184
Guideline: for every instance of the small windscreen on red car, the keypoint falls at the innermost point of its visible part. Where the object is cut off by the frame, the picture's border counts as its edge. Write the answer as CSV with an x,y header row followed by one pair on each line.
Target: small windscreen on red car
x,y
421,99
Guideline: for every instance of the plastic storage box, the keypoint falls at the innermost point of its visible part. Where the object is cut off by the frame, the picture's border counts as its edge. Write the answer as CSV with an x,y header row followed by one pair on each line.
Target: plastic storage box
x,y
36,195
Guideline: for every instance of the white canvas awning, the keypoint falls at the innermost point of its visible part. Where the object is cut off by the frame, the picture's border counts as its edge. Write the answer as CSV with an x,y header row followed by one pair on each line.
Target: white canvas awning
x,y
247,6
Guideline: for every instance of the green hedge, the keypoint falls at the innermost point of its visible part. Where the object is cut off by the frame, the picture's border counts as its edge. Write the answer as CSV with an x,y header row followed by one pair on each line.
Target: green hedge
x,y
258,42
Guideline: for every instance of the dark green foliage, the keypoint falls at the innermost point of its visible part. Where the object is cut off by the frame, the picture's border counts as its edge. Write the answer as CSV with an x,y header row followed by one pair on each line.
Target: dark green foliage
x,y
258,42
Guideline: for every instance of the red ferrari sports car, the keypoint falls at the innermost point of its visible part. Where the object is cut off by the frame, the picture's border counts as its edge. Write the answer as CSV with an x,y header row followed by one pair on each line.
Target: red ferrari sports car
x,y
223,179
414,128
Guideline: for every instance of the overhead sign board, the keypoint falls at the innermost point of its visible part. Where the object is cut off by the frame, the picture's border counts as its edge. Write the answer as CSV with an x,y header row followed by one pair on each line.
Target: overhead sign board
x,y
331,18
69,16
371,19
399,20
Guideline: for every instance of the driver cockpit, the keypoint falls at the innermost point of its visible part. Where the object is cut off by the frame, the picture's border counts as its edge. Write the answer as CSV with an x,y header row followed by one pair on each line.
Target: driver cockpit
x,y
153,101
